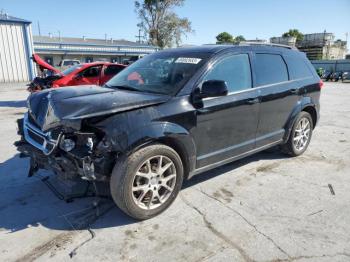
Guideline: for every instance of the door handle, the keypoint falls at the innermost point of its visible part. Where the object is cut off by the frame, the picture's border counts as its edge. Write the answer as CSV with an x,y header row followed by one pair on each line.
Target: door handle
x,y
252,101
294,91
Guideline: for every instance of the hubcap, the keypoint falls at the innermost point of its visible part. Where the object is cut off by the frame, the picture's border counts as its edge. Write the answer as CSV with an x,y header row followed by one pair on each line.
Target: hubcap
x,y
302,134
154,182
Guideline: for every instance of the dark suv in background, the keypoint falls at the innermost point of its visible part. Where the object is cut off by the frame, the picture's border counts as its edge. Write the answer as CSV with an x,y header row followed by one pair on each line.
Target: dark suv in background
x,y
171,115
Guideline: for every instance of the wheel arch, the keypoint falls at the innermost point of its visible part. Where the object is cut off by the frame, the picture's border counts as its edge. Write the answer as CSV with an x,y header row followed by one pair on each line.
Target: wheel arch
x,y
312,111
306,105
170,134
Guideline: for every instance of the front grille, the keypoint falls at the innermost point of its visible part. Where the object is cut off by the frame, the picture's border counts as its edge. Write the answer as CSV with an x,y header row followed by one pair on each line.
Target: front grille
x,y
37,138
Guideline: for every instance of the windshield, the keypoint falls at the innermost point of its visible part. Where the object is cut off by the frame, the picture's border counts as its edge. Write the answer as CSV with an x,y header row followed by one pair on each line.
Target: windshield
x,y
71,69
163,72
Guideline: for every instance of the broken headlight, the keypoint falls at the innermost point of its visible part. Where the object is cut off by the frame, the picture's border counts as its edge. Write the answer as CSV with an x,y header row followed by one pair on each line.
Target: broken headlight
x,y
67,144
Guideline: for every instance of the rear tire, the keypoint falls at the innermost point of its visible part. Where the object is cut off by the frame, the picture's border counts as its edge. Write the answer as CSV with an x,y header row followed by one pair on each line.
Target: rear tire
x,y
146,183
300,136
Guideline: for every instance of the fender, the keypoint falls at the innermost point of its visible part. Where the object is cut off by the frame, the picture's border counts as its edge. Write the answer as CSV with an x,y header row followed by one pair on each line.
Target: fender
x,y
304,102
168,133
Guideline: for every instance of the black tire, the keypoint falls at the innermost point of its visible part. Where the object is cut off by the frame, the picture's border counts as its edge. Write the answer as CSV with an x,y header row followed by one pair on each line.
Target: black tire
x,y
123,175
289,147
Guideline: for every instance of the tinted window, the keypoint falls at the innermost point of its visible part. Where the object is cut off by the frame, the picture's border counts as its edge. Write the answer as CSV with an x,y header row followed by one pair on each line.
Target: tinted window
x,y
270,69
93,71
234,70
297,67
113,70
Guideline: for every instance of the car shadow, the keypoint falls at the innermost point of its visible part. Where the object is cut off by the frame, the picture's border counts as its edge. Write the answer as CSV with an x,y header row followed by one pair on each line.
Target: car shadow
x,y
14,103
28,202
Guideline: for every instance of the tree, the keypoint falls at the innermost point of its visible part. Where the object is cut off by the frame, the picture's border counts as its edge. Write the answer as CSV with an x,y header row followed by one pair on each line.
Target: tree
x,y
239,39
161,26
227,38
294,33
224,37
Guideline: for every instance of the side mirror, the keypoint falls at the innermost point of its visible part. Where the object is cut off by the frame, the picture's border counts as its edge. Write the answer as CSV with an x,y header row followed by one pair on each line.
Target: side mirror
x,y
213,88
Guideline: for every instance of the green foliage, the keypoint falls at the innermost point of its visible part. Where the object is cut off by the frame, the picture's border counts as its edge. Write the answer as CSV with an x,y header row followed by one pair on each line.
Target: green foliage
x,y
239,39
294,33
224,37
161,26
227,38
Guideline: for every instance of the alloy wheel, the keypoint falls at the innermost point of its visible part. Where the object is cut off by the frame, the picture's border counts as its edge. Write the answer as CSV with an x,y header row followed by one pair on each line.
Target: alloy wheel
x,y
154,182
302,134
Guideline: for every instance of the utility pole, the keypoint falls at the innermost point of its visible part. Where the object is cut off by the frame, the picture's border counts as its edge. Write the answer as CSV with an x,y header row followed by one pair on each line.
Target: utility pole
x,y
59,35
139,36
39,31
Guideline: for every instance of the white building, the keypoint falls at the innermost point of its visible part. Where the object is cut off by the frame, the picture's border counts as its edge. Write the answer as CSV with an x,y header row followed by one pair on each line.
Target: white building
x,y
54,49
282,40
15,49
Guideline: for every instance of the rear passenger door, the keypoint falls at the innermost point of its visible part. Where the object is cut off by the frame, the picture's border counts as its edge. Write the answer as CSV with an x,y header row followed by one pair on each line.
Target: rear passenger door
x,y
109,72
278,96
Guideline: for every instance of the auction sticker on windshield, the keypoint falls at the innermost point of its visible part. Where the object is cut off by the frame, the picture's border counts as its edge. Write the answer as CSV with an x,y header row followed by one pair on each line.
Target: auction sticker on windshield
x,y
188,60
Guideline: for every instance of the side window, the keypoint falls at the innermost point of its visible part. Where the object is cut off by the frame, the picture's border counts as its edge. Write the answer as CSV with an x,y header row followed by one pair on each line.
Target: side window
x,y
270,69
93,71
234,70
112,70
297,67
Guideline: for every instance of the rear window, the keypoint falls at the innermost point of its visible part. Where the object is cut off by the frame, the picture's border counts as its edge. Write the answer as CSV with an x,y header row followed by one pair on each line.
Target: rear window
x,y
113,70
297,67
270,69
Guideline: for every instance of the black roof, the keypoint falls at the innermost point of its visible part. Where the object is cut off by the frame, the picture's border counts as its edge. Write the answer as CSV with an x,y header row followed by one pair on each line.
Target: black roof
x,y
12,19
212,49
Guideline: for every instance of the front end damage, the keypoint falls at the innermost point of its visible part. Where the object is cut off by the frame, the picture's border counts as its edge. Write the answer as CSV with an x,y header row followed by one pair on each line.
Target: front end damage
x,y
69,154
80,132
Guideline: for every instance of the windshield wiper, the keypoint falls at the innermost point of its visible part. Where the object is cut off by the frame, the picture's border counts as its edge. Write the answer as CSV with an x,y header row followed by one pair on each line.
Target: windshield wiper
x,y
125,87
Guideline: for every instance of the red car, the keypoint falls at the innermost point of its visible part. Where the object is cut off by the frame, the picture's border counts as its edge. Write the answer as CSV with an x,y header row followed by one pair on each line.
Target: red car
x,y
97,73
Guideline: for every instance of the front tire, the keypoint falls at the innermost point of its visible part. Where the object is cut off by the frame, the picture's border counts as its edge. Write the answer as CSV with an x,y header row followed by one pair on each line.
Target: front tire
x,y
300,135
146,183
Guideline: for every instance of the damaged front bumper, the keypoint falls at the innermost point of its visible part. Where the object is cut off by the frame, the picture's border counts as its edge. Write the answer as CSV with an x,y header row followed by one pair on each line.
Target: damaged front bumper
x,y
45,142
47,150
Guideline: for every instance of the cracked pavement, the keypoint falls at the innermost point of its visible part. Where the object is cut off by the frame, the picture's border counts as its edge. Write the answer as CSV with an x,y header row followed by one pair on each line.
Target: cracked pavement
x,y
267,207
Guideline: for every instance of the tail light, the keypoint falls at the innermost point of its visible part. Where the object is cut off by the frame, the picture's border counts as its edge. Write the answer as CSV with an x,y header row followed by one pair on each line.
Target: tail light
x,y
321,84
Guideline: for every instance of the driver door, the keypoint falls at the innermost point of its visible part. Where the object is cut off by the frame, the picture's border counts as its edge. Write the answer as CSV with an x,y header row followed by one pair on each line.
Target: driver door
x,y
226,125
89,76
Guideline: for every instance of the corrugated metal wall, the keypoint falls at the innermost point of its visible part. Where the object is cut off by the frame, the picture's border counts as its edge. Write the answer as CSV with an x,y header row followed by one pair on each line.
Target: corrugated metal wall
x,y
14,57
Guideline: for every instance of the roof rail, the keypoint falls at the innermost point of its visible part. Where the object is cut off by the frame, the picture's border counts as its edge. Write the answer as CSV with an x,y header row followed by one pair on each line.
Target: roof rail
x,y
266,44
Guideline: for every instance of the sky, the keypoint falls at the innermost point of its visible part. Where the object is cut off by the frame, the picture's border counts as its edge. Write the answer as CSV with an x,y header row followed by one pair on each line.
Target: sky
x,y
251,18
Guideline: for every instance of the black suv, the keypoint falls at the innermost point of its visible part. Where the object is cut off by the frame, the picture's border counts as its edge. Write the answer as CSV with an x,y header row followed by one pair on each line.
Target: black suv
x,y
171,115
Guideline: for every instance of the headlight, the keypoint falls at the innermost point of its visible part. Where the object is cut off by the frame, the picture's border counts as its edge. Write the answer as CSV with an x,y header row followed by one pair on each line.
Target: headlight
x,y
67,144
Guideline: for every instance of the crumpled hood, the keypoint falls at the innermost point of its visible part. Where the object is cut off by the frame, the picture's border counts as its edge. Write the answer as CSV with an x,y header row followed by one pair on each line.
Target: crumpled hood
x,y
67,106
37,59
